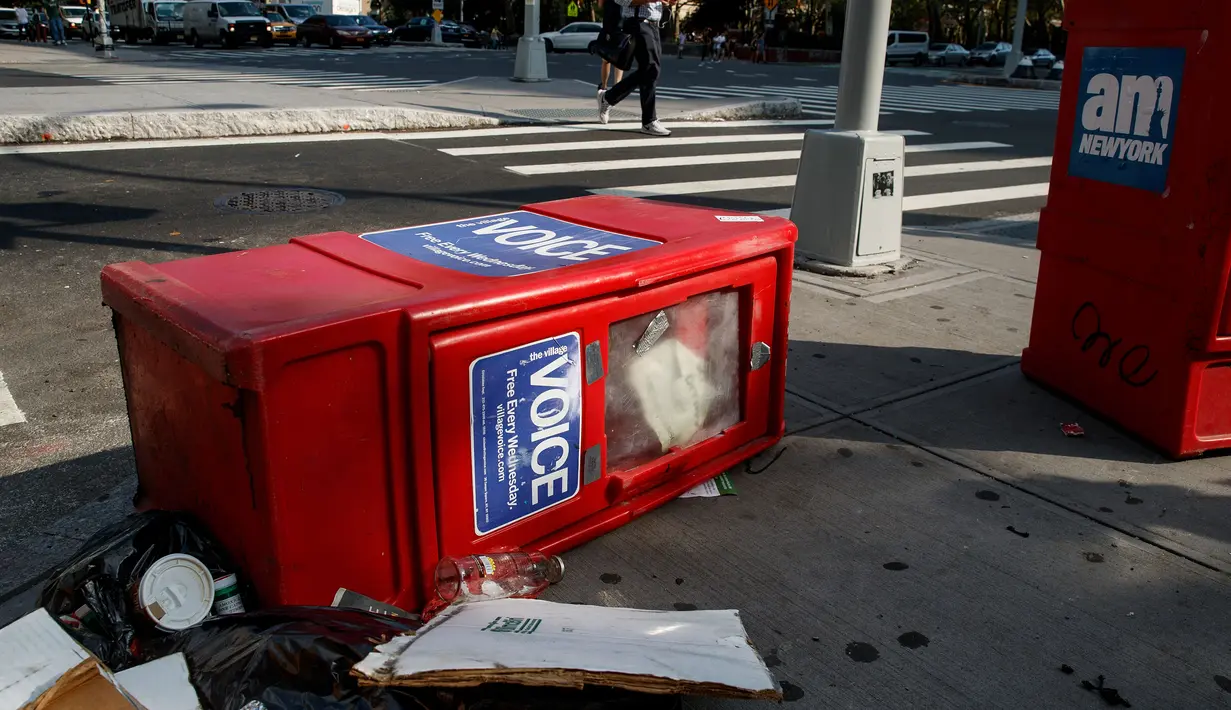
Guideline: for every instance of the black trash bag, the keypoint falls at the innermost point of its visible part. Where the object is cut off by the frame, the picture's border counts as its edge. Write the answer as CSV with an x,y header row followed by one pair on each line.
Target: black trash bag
x,y
299,658
293,657
103,571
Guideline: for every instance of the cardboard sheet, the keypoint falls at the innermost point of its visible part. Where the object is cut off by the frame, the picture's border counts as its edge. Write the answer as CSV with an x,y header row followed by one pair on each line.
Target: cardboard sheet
x,y
534,642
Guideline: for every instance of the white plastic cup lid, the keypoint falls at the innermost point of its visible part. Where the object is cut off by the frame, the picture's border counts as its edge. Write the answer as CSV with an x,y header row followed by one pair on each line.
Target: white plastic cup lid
x,y
177,592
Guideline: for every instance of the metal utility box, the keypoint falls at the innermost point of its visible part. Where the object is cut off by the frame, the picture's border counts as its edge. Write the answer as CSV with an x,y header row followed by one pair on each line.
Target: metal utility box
x,y
850,222
345,409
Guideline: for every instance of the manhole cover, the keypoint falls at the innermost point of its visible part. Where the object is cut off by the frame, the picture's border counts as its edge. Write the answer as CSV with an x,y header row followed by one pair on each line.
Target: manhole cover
x,y
279,201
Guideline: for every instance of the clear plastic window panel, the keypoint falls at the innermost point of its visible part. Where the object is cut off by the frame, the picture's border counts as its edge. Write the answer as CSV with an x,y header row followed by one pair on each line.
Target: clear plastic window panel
x,y
673,378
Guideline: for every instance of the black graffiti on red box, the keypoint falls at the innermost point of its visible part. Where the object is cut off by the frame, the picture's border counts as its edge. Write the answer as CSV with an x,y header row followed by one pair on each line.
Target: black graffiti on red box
x,y
1087,326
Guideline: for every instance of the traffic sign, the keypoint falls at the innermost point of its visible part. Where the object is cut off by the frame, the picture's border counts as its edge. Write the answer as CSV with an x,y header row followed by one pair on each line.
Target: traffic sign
x,y
572,9
437,15
771,5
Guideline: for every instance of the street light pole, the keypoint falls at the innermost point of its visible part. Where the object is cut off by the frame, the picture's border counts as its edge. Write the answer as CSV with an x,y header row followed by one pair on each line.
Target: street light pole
x,y
862,70
848,192
105,29
531,62
1019,32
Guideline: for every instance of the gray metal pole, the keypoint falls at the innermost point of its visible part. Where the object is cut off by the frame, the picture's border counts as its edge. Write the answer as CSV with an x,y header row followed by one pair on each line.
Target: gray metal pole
x,y
863,65
1019,31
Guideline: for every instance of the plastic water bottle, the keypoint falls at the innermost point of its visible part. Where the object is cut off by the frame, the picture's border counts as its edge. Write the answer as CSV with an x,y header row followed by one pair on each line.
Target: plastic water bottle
x,y
497,575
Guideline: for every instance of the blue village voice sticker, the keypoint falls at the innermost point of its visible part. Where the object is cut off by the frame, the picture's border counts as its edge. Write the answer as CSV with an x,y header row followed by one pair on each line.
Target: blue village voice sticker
x,y
508,244
1126,115
525,430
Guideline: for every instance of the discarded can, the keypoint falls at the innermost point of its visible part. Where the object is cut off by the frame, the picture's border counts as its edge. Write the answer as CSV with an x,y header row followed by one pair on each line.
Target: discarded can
x,y
227,599
496,576
176,592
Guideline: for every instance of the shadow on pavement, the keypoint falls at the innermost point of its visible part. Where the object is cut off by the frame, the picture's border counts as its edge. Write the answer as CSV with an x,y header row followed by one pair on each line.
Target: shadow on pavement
x,y
41,220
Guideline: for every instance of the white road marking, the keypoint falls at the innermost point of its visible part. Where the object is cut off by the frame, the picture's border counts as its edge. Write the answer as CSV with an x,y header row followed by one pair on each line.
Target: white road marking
x,y
637,143
758,183
914,203
714,159
9,413
631,127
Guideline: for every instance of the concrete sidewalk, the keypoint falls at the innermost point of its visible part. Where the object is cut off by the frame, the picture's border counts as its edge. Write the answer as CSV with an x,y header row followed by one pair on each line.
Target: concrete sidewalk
x,y
925,536
146,102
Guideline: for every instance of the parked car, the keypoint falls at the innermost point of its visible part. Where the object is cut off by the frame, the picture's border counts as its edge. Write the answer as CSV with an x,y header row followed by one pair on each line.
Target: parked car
x,y
8,23
573,37
907,47
1042,58
945,53
335,31
419,29
295,13
380,34
991,53
73,19
230,23
281,28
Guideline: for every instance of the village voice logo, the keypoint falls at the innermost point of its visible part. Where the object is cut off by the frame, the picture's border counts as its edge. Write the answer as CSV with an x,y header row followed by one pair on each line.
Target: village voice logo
x,y
1126,115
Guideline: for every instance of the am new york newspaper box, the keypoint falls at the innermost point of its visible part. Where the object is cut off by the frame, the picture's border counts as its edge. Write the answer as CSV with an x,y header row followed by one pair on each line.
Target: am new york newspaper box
x,y
345,409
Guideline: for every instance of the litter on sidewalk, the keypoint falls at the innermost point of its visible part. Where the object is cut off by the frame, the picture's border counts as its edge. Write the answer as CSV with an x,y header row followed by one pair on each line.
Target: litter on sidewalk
x,y
540,643
43,667
719,485
1073,429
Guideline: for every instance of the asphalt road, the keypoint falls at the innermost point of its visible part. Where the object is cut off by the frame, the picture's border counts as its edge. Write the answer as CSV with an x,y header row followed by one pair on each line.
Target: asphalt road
x,y
443,64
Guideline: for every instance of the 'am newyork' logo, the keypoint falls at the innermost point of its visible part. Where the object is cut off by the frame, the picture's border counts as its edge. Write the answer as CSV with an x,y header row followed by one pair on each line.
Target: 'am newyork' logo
x,y
1126,116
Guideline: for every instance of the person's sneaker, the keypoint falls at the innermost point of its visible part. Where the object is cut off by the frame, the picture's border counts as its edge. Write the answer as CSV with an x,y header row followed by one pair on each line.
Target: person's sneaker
x,y
654,128
604,108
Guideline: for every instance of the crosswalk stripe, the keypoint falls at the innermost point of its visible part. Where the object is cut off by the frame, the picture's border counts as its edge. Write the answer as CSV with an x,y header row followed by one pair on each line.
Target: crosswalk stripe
x,y
714,159
894,97
699,187
9,413
889,100
915,203
638,143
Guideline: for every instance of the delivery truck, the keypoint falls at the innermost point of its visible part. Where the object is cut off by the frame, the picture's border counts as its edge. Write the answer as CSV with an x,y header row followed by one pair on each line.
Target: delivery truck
x,y
160,21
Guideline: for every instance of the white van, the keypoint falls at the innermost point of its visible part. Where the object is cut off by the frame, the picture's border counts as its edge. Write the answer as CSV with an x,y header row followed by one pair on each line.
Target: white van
x,y
907,47
227,22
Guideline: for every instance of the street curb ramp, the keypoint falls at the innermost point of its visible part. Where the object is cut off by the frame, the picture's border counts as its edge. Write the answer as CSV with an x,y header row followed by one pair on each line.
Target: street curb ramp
x,y
152,125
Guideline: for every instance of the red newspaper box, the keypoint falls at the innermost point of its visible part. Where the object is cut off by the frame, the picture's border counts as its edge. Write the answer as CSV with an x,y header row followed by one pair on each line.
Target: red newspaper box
x,y
345,409
1132,316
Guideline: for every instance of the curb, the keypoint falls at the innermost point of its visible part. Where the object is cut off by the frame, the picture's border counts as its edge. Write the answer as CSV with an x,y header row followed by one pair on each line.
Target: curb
x,y
148,125
748,110
161,125
1037,84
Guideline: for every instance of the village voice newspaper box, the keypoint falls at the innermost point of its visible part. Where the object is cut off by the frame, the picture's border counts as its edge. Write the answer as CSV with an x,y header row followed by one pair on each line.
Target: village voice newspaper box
x,y
1132,316
345,409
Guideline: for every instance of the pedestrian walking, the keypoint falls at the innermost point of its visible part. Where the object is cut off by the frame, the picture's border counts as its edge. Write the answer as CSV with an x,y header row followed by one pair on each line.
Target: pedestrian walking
x,y
706,39
720,46
23,24
759,57
679,52
612,19
641,18
54,22
38,22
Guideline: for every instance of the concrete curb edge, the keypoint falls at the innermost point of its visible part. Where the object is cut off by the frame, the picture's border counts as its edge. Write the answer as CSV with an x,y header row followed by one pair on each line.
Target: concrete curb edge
x,y
162,125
